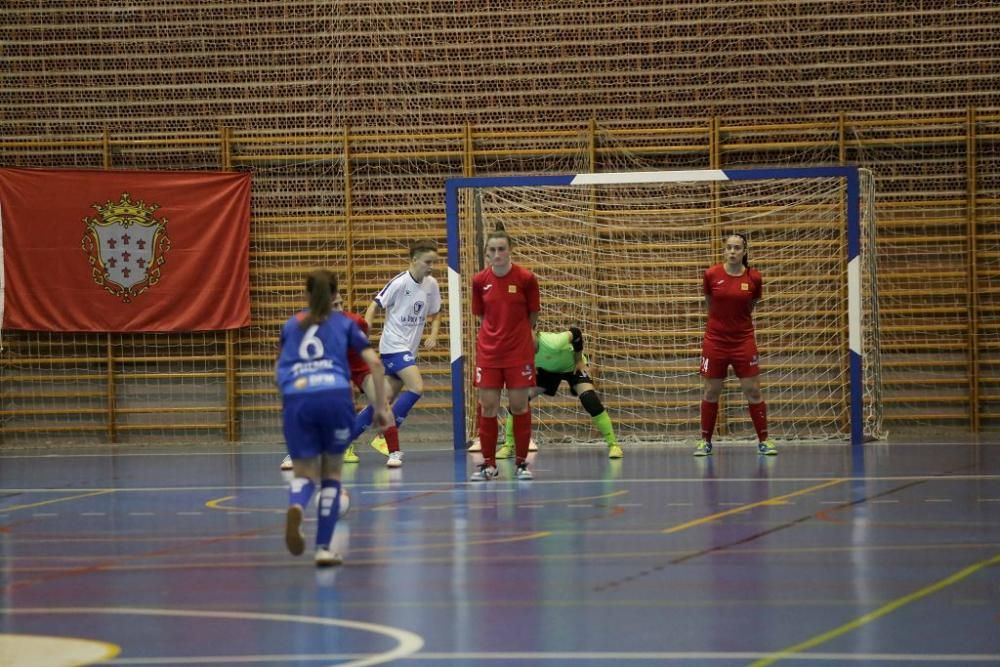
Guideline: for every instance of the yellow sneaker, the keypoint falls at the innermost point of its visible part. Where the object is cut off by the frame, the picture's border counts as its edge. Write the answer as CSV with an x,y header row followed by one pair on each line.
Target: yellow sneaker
x,y
767,448
505,452
615,452
350,456
379,444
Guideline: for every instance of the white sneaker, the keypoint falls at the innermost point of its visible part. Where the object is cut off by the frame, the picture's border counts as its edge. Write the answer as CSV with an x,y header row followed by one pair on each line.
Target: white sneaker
x,y
523,472
286,463
476,446
484,473
532,447
327,558
395,460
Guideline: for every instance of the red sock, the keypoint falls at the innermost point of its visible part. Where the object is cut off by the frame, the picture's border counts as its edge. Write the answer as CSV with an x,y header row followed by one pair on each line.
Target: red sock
x,y
709,412
488,439
758,415
391,436
522,435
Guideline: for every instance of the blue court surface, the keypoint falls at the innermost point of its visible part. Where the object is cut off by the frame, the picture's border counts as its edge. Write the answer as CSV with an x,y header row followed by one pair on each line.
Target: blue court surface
x,y
175,556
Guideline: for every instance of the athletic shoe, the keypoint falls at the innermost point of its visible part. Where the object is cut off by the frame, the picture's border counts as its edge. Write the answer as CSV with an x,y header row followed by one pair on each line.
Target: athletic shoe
x,y
350,456
523,472
484,473
767,448
532,447
294,539
286,463
395,460
505,452
345,503
379,444
614,452
704,448
327,558
476,446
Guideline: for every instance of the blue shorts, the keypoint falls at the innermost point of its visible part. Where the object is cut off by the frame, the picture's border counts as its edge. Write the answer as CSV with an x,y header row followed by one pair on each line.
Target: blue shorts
x,y
317,423
397,361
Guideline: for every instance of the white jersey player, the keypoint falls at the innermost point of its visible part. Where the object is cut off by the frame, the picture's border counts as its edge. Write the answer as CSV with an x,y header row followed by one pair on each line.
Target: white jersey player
x,y
409,300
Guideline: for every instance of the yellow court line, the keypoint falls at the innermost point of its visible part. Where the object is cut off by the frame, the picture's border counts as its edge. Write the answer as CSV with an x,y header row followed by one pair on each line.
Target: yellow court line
x,y
215,505
878,613
56,500
743,508
555,501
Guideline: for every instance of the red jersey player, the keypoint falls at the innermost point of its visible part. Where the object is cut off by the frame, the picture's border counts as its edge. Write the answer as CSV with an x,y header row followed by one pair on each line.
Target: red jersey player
x,y
732,289
505,298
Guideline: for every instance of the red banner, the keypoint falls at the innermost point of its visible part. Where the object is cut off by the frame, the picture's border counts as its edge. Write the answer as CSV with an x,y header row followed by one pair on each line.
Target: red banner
x,y
88,250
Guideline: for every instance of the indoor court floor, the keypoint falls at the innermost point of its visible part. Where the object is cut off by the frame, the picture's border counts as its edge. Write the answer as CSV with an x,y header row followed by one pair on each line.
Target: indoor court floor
x,y
820,555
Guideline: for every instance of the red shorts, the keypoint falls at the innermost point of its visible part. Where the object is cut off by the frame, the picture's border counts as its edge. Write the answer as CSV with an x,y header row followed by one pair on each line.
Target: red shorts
x,y
715,361
512,377
358,376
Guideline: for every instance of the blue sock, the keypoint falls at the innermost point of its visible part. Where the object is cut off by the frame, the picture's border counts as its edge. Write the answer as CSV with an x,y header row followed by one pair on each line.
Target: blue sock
x,y
329,510
362,420
404,403
300,491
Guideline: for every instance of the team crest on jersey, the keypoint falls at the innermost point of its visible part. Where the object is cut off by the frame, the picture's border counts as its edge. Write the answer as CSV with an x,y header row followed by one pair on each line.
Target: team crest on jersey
x,y
512,289
745,287
418,307
528,370
126,245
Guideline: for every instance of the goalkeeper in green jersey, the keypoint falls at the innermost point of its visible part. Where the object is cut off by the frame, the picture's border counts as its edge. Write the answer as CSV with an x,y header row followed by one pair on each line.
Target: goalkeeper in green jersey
x,y
558,357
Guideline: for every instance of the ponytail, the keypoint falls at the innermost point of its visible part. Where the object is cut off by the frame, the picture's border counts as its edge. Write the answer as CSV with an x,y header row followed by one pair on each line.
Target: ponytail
x,y
321,285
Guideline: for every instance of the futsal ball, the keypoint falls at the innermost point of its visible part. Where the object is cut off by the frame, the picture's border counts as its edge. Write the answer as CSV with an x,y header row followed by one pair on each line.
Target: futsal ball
x,y
345,502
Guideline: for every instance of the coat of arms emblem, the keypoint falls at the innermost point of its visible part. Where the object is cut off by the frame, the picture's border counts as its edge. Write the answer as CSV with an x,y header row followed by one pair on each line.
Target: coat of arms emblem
x,y
126,245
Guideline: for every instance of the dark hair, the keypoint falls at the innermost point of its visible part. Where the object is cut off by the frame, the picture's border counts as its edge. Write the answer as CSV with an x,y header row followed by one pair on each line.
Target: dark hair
x,y
500,233
420,247
746,247
321,285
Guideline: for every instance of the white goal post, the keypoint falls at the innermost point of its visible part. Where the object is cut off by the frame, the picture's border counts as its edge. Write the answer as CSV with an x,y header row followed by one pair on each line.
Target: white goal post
x,y
622,254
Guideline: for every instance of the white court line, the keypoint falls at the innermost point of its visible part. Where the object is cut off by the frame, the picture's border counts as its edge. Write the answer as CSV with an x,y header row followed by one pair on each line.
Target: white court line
x,y
608,657
462,485
408,643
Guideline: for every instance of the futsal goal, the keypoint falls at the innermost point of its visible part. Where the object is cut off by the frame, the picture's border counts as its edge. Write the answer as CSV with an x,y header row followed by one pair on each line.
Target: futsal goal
x,y
621,255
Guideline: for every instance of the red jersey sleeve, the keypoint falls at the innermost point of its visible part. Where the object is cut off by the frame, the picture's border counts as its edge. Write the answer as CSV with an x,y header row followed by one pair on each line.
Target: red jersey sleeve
x,y
354,360
477,294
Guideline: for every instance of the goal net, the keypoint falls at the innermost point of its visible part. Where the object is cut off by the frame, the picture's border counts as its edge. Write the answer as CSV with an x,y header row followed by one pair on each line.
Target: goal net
x,y
622,256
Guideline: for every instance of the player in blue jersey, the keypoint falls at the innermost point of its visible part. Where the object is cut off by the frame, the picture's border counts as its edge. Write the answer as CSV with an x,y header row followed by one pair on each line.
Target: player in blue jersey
x,y
314,378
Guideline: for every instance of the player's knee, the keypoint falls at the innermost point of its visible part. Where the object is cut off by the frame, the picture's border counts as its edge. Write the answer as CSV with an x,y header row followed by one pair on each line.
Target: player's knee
x,y
712,391
591,402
